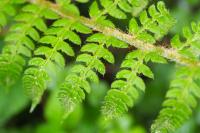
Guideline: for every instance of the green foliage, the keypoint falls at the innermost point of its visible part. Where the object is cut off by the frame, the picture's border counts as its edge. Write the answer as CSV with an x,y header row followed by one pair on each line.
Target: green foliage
x,y
67,6
54,44
20,41
154,27
184,87
7,8
125,89
181,99
138,6
46,51
190,47
116,9
72,92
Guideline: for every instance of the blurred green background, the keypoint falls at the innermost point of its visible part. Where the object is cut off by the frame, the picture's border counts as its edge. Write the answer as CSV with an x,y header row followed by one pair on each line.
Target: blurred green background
x,y
48,118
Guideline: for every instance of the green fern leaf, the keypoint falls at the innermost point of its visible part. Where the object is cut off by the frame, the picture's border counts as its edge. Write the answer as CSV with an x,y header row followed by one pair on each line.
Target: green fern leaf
x,y
158,24
53,45
119,8
29,40
67,6
138,6
181,99
190,48
125,90
7,7
128,81
20,41
95,49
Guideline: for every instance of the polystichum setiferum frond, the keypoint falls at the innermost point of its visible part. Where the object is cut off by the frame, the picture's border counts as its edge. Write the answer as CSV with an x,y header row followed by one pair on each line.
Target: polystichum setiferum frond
x,y
7,9
125,90
184,89
44,33
96,48
181,99
20,41
118,101
36,76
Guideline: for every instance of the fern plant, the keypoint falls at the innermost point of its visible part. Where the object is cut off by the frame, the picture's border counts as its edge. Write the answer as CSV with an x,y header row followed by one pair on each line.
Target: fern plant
x,y
184,89
20,41
36,76
117,101
7,9
125,90
72,90
44,33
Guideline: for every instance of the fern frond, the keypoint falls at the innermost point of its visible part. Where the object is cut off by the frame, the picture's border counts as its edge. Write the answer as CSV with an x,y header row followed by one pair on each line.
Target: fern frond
x,y
98,15
54,44
10,69
7,8
109,7
20,40
181,99
154,27
138,6
116,8
69,6
72,92
190,47
125,89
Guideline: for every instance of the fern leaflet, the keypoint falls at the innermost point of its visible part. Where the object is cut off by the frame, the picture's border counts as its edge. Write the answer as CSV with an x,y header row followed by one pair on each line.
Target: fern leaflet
x,y
21,41
7,8
125,90
181,99
153,28
36,76
190,47
72,91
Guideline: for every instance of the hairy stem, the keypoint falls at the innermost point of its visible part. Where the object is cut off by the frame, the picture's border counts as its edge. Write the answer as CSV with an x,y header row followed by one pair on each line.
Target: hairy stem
x,y
168,53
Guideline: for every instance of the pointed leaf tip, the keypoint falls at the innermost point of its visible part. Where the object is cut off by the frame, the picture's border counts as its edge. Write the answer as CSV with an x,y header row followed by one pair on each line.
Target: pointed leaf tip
x,y
33,106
